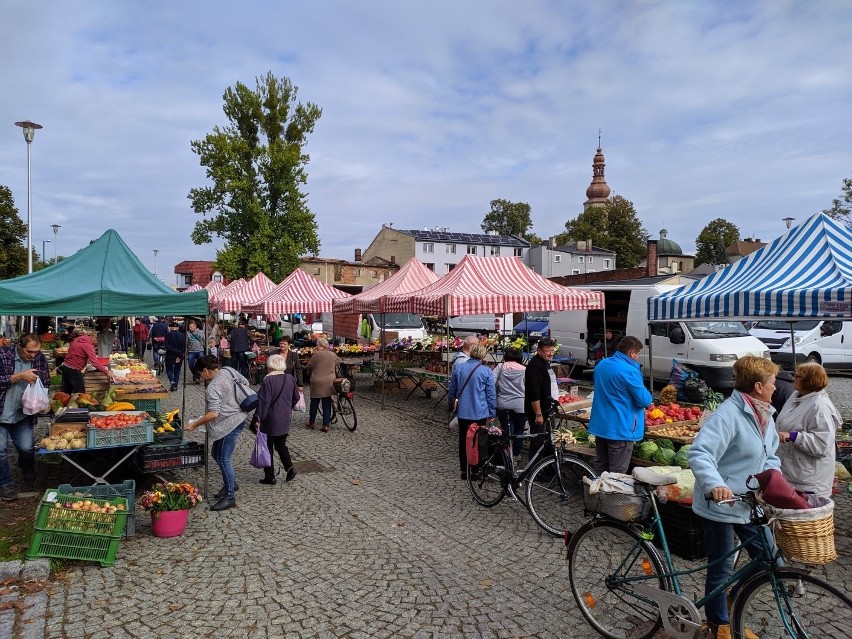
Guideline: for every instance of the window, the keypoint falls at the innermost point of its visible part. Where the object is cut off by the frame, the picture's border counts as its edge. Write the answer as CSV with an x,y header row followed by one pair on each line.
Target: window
x,y
450,267
430,266
495,251
187,280
451,248
575,271
519,252
557,258
606,263
375,274
217,277
590,270
591,258
471,249
428,247
357,272
581,258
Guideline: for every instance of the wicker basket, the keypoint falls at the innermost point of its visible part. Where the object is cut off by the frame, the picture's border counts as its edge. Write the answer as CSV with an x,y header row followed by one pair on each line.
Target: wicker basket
x,y
617,505
805,535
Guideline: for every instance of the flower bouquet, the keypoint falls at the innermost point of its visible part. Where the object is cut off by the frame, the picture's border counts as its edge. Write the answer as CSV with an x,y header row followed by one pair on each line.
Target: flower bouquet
x,y
169,505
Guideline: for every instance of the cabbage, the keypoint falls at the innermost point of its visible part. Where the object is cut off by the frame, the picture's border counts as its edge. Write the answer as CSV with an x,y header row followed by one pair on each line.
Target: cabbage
x,y
662,442
681,458
647,450
663,456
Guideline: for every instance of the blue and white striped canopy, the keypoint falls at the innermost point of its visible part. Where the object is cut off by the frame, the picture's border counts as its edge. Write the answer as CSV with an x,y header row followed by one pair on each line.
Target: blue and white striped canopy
x,y
805,273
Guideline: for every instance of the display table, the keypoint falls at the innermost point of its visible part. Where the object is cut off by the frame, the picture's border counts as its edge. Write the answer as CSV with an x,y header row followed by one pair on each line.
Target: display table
x,y
69,454
420,375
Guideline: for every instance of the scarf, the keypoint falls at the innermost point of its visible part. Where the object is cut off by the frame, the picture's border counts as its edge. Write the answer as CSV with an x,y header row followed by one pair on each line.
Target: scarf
x,y
762,411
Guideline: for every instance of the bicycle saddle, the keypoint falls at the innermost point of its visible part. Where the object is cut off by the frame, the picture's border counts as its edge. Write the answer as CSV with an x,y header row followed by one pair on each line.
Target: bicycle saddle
x,y
648,476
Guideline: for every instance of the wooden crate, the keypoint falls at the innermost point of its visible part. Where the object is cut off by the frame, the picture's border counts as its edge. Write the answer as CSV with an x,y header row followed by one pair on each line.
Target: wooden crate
x,y
95,382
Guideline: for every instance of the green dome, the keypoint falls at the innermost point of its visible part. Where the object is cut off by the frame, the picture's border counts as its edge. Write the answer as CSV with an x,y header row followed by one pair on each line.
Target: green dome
x,y
667,247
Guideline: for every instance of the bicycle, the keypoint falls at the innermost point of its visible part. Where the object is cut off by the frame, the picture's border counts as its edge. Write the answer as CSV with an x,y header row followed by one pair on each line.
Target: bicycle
x,y
341,402
624,588
158,353
553,493
253,369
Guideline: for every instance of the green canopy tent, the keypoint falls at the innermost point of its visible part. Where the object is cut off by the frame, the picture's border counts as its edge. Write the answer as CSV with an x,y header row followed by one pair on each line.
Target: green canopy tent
x,y
105,279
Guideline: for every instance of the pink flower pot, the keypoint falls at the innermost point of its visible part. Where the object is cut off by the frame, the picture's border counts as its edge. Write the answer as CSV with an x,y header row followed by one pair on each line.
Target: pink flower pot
x,y
169,523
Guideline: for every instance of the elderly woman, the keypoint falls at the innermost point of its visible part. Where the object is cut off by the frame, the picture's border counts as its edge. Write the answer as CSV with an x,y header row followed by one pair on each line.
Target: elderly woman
x,y
737,440
806,427
278,395
225,422
472,383
322,367
509,382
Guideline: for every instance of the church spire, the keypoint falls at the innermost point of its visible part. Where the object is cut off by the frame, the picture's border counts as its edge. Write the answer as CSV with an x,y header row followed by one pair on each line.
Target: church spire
x,y
598,190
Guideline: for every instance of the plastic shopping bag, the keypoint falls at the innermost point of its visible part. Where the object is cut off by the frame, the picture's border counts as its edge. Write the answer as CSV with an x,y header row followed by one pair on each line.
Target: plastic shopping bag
x,y
35,399
260,456
300,405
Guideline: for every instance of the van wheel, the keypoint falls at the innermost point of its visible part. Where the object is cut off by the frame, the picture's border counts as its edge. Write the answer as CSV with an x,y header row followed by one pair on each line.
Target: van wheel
x,y
813,358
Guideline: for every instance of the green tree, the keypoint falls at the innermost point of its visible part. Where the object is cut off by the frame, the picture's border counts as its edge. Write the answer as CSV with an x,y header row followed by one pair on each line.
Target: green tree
x,y
841,207
614,226
257,165
13,237
510,218
712,243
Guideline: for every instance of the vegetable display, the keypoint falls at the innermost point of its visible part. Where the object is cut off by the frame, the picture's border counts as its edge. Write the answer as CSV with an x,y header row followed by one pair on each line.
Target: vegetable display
x,y
655,414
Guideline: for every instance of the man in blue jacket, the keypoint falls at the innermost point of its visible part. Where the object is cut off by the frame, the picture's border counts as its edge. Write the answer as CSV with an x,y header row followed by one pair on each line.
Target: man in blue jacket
x,y
618,409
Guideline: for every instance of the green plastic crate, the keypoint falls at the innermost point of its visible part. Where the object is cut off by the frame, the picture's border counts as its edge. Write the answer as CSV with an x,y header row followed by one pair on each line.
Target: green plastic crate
x,y
108,491
49,517
77,546
139,434
150,405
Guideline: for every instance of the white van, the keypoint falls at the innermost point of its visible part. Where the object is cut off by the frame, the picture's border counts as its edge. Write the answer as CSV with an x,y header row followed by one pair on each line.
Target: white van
x,y
403,324
294,325
709,347
826,342
481,324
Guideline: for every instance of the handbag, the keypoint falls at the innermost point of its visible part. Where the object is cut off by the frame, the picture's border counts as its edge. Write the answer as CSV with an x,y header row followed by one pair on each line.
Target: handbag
x,y
260,455
455,405
250,399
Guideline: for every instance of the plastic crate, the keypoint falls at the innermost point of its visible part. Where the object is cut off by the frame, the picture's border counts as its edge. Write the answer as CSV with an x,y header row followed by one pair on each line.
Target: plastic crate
x,y
108,491
150,405
77,546
170,457
49,517
139,434
684,532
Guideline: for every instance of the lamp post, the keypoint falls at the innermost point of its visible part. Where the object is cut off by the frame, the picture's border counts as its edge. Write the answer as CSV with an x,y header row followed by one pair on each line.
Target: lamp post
x,y
788,221
156,252
29,133
55,228
43,249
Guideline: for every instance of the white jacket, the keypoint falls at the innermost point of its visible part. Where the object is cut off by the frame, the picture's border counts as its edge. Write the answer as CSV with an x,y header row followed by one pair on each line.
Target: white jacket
x,y
808,462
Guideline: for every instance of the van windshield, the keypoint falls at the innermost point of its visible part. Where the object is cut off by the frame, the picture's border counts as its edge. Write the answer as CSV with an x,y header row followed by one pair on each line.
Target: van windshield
x,y
773,325
401,320
538,316
716,329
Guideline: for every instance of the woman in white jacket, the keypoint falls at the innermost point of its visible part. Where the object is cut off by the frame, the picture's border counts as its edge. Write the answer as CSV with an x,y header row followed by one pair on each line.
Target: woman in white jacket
x,y
806,429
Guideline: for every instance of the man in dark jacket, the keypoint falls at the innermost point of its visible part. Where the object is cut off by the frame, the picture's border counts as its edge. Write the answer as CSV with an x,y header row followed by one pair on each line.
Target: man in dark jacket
x,y
240,342
158,334
539,380
175,347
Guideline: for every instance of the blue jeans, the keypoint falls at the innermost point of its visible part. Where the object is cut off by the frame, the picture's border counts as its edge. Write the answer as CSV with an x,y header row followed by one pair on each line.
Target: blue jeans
x,y
719,541
22,436
513,423
193,357
173,371
222,451
239,362
326,410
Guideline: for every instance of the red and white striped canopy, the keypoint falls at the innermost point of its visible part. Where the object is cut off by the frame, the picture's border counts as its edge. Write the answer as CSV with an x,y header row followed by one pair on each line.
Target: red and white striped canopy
x,y
230,289
192,289
479,285
411,277
298,293
213,287
255,289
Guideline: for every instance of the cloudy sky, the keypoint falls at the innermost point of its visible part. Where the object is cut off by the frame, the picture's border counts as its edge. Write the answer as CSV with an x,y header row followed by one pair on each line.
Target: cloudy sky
x,y
739,110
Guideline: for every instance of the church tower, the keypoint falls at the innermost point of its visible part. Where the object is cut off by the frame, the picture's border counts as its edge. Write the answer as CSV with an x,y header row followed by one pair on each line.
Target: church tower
x,y
598,191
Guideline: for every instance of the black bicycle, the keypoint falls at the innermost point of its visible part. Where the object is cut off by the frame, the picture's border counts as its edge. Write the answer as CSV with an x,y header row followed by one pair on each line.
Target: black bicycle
x,y
552,480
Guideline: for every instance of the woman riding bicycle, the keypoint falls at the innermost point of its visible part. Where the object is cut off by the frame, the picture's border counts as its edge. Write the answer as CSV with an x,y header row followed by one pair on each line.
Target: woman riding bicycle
x,y
737,440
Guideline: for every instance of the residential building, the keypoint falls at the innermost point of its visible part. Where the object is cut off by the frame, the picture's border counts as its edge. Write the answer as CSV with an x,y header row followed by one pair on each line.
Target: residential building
x,y
352,277
199,272
551,260
738,250
440,249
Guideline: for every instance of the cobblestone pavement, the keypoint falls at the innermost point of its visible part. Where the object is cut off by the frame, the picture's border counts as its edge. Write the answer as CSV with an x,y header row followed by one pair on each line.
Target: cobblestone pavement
x,y
381,539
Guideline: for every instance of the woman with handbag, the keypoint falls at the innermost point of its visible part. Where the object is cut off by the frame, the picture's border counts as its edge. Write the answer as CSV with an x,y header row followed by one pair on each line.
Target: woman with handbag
x,y
225,420
473,385
278,395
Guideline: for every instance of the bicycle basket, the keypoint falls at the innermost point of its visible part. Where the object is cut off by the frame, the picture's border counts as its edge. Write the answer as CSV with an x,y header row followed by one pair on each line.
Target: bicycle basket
x,y
617,505
497,437
805,535
342,385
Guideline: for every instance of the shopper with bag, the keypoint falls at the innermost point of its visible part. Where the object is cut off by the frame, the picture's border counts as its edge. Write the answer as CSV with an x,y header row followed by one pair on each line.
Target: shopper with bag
x,y
21,366
278,396
225,421
472,384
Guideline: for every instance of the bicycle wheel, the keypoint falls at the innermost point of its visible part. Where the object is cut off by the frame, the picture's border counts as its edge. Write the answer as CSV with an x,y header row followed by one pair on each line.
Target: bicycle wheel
x,y
252,374
555,499
488,480
600,555
811,607
346,410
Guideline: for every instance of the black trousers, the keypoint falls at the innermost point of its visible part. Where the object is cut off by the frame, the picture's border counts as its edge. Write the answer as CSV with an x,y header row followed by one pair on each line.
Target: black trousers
x,y
72,381
278,444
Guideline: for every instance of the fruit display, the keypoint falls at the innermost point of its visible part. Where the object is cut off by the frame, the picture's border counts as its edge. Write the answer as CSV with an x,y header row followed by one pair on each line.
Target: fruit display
x,y
678,431
166,423
118,420
656,415
64,441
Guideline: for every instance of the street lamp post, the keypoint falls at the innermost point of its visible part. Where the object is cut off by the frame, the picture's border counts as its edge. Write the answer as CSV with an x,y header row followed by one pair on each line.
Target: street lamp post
x,y
29,133
43,249
156,252
788,221
55,228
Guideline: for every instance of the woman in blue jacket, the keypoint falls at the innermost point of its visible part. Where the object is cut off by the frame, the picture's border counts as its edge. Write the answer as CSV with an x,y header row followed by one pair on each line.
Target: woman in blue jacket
x,y
473,384
737,440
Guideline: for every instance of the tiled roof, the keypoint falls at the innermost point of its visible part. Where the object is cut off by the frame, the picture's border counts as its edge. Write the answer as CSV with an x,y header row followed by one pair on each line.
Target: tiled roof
x,y
466,238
